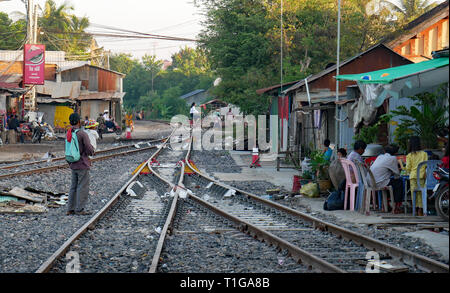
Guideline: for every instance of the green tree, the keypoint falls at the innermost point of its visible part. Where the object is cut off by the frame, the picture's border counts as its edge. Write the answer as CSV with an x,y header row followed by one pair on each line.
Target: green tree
x,y
152,65
122,62
190,61
62,30
12,34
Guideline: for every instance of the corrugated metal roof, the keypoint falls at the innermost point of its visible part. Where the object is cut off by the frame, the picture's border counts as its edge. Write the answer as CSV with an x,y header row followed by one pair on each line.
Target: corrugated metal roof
x,y
333,68
93,66
100,96
185,96
60,89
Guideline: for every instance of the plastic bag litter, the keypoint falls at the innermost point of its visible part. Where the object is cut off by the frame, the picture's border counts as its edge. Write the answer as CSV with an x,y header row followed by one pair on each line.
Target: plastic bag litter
x,y
310,190
305,165
183,193
158,230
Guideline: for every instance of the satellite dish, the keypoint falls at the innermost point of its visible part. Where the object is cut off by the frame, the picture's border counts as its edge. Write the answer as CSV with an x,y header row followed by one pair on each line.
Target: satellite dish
x,y
217,81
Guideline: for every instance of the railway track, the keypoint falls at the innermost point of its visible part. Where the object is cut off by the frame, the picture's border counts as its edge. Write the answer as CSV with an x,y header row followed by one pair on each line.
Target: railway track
x,y
327,247
56,163
302,242
116,221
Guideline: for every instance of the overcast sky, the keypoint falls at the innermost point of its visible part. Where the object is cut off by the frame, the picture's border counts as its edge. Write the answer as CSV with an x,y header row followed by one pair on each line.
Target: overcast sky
x,y
176,18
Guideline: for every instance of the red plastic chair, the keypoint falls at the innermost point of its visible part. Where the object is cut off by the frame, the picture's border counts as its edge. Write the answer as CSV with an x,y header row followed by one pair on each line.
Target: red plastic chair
x,y
352,182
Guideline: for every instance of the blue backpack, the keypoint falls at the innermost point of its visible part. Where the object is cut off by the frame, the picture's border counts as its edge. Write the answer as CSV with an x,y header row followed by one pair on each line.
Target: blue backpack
x,y
72,148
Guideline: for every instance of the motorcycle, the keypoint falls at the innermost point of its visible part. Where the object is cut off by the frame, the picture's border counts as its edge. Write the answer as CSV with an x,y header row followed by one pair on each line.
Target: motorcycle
x,y
440,193
38,132
112,127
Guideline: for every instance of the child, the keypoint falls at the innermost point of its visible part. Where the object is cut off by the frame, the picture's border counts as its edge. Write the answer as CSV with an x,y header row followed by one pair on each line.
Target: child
x,y
341,153
413,159
327,152
91,127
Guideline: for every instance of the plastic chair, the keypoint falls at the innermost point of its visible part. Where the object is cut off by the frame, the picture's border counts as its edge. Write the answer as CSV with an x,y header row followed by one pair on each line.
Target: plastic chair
x,y
366,192
384,191
430,183
351,182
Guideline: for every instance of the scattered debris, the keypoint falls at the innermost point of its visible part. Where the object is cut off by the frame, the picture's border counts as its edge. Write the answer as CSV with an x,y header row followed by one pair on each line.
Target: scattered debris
x,y
14,207
273,191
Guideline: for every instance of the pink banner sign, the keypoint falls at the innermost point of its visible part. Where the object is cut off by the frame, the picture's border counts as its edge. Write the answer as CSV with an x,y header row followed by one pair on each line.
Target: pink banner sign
x,y
34,64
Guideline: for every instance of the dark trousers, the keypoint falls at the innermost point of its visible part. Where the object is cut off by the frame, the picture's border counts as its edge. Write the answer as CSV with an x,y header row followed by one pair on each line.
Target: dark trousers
x,y
79,190
397,186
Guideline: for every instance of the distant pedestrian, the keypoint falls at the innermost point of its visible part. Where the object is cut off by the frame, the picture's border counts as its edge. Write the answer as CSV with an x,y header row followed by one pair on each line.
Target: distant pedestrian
x,y
13,124
79,189
91,130
106,115
192,112
101,125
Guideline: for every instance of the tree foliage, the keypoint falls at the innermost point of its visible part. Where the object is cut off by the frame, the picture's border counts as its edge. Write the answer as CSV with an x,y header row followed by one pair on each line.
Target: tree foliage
x,y
243,41
12,34
60,30
156,91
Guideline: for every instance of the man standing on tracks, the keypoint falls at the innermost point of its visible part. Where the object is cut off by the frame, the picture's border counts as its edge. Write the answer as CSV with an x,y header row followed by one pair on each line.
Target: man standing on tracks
x,y
79,189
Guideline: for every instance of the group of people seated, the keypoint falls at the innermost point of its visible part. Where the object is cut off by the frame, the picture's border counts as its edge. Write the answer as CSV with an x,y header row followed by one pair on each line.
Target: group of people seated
x,y
387,168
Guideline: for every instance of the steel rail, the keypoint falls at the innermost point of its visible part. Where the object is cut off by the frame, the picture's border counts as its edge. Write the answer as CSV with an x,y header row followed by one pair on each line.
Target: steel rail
x,y
298,254
47,265
66,165
63,158
170,216
408,257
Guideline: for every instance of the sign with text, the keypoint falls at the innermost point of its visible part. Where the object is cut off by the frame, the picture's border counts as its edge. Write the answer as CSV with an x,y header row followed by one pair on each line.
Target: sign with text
x,y
34,64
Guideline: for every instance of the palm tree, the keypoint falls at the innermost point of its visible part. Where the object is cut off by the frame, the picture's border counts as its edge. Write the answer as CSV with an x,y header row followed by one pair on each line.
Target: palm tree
x,y
408,10
80,40
56,18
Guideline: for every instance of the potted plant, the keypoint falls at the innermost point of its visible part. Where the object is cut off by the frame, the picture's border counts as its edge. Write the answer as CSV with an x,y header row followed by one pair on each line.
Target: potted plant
x,y
319,167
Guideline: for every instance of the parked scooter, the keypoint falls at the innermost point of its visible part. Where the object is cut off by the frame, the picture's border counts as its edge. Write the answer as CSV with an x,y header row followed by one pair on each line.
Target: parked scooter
x,y
38,132
440,193
112,127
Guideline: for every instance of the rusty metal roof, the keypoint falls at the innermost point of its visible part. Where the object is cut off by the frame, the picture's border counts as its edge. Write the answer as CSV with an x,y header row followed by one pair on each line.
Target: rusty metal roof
x,y
333,68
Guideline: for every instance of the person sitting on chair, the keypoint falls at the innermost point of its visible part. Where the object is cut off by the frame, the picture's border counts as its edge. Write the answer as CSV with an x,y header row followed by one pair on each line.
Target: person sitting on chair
x,y
386,172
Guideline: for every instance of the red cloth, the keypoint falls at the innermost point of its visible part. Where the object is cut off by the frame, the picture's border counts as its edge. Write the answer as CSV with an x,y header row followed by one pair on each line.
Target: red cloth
x,y
445,162
69,135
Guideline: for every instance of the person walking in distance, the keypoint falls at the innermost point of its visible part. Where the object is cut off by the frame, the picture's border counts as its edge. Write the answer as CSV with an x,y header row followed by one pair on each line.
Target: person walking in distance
x,y
192,112
79,189
101,125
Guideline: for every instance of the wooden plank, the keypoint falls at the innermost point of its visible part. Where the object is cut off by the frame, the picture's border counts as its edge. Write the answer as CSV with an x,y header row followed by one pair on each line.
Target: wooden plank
x,y
23,194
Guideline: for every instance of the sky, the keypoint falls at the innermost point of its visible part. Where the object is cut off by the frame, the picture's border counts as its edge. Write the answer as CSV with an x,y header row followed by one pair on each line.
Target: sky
x,y
175,18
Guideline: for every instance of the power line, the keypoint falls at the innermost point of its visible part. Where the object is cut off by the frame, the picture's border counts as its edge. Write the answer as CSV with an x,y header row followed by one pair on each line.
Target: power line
x,y
143,36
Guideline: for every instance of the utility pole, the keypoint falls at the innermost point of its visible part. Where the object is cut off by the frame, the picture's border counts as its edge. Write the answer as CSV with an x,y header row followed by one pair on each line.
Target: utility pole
x,y
31,39
336,116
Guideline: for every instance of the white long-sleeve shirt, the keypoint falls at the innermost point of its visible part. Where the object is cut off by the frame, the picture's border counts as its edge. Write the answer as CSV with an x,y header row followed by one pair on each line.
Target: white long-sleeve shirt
x,y
193,110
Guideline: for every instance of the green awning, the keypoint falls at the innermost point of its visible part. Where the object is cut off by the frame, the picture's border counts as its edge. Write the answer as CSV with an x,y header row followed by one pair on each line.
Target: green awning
x,y
389,75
